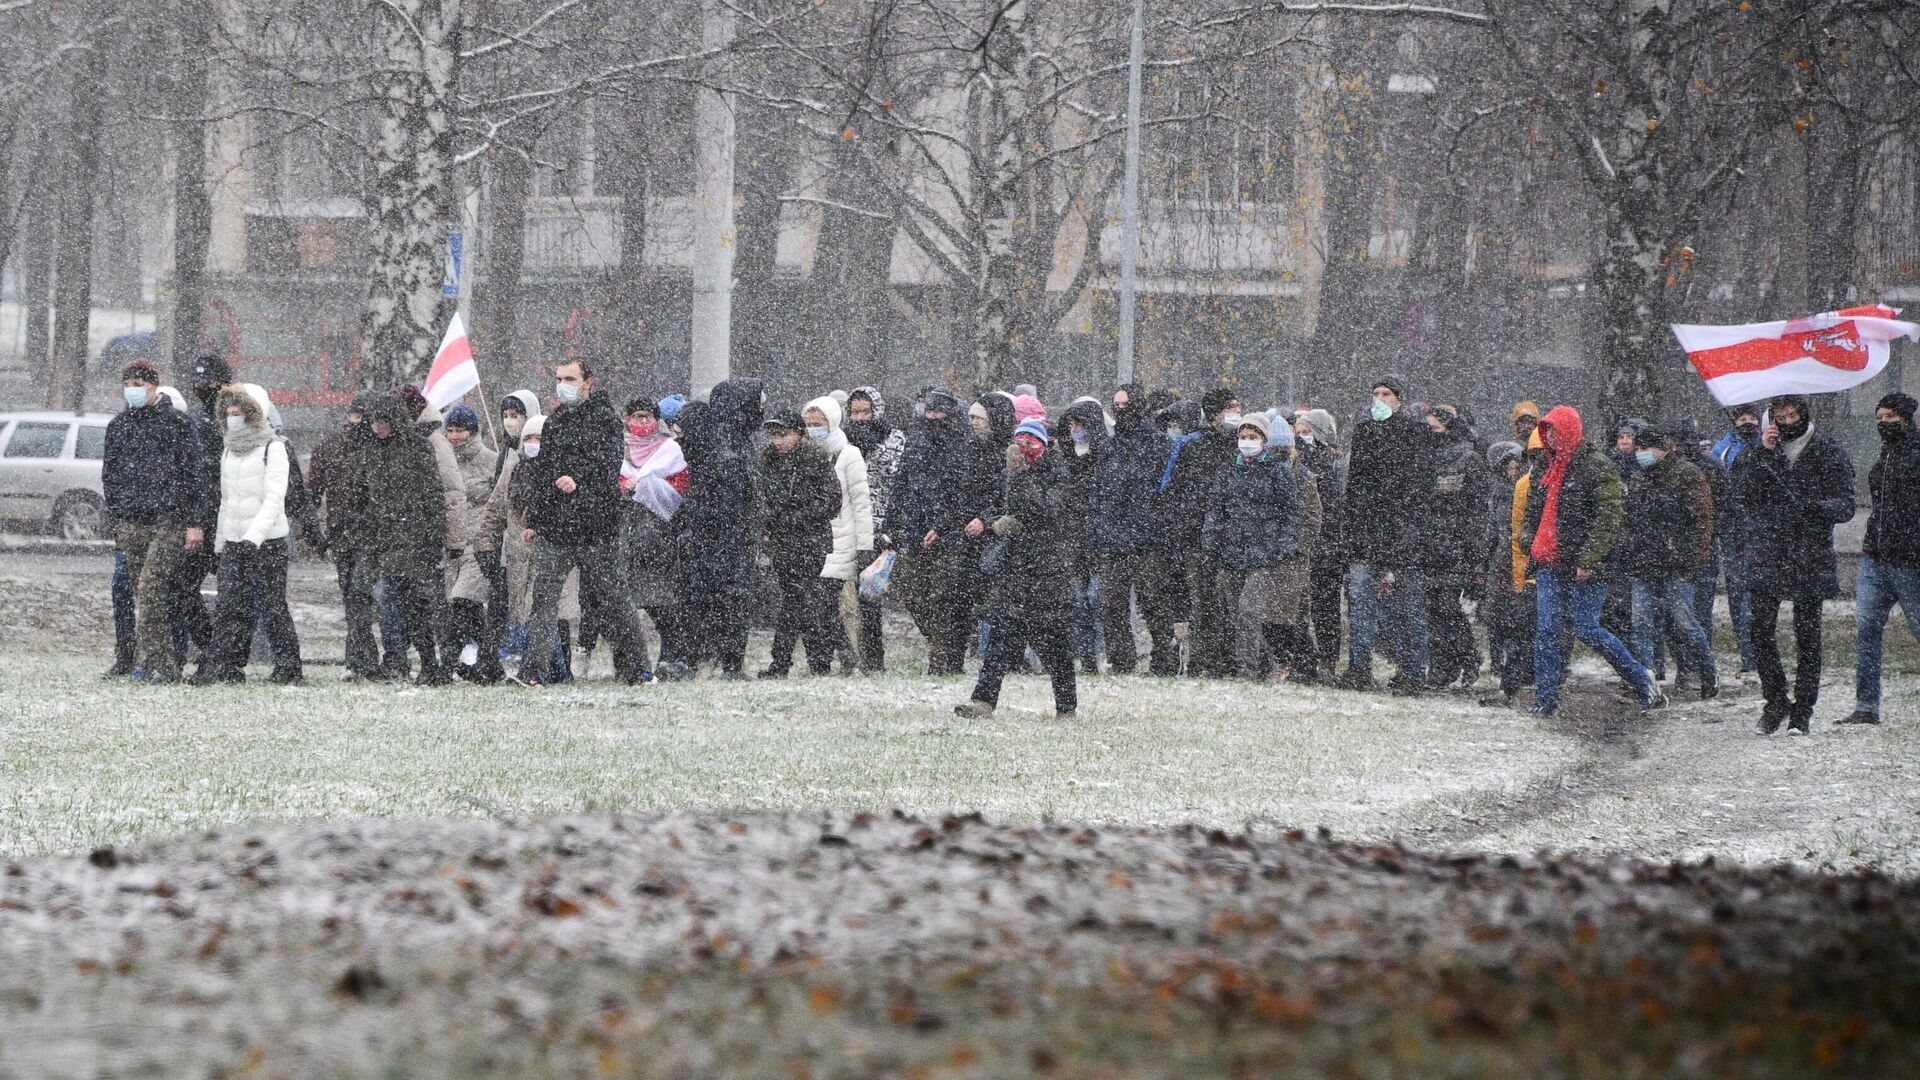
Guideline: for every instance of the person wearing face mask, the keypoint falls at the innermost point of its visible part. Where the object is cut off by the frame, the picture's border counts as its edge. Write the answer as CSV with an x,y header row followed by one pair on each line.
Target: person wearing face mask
x,y
1320,451
210,373
503,524
654,479
1121,489
1256,518
1890,555
803,498
1794,487
1457,539
927,518
1195,463
338,486
1742,435
1390,480
573,524
251,535
1028,586
853,532
1667,537
880,445
1075,435
515,410
467,579
151,473
406,528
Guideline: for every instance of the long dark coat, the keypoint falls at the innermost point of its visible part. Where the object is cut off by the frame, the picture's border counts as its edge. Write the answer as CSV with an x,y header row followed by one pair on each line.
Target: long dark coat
x,y
1390,476
1791,508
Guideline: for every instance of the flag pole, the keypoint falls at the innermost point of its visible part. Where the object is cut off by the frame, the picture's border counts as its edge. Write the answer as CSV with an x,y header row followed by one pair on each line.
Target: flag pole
x,y
487,411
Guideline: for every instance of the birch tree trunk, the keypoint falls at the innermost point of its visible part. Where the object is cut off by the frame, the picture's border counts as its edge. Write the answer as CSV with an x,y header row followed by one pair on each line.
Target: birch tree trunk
x,y
73,287
713,250
192,208
401,324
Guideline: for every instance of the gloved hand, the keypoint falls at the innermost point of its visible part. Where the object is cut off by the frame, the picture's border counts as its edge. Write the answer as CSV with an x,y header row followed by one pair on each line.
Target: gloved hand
x,y
454,553
243,548
488,558
1006,525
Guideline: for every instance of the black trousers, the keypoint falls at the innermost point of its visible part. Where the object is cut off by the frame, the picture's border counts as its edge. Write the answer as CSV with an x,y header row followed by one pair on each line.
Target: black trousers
x,y
1007,642
186,605
933,588
807,614
603,603
1326,587
1765,629
355,572
422,601
1209,620
1511,622
1451,652
873,650
240,564
1122,577
715,622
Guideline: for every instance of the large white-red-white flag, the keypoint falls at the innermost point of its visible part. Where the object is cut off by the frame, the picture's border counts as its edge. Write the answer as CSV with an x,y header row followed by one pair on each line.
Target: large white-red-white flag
x,y
1819,354
453,373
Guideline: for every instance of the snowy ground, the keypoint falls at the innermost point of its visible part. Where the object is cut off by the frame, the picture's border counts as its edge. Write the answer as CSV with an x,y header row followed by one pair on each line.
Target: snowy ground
x,y
334,880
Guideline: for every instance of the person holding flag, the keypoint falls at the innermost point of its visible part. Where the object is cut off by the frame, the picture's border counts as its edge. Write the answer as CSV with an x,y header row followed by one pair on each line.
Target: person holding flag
x,y
1795,487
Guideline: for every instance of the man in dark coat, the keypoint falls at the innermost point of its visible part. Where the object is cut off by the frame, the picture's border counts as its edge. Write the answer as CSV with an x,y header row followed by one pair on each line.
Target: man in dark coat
x,y
1318,436
802,499
1743,435
334,475
406,525
719,525
1029,602
1075,435
1121,490
573,514
1666,539
1390,478
1457,511
932,504
1794,487
1193,466
152,474
209,374
1890,567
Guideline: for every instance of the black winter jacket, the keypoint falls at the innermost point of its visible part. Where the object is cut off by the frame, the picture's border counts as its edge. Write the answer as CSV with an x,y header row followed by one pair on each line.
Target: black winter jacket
x,y
1390,475
1122,488
1034,581
406,511
586,442
1255,514
1592,504
1459,508
802,499
936,488
154,469
719,525
1791,510
1668,530
1182,508
1893,528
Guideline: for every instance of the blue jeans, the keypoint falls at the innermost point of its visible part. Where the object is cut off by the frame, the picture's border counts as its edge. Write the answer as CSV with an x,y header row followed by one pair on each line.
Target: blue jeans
x,y
122,611
1401,615
1087,642
1567,609
1740,604
1672,597
1876,590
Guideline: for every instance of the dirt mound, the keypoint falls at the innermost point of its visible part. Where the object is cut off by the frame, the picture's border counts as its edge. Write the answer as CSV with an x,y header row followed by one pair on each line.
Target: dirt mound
x,y
863,945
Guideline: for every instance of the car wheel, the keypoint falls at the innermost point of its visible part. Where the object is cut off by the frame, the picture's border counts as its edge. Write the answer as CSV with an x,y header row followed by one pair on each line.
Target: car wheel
x,y
79,517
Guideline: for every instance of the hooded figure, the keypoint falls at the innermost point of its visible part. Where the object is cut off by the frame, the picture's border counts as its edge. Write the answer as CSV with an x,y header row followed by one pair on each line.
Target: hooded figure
x,y
880,445
927,515
1257,516
1526,416
453,485
336,477
853,523
407,524
1572,522
1458,515
1121,492
720,522
251,536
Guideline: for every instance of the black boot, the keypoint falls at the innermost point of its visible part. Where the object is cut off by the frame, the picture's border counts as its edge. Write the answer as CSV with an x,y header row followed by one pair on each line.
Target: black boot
x,y
1772,715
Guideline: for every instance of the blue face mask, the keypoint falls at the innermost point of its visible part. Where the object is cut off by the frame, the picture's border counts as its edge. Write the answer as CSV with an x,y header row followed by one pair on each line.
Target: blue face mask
x,y
135,396
1644,457
1381,411
568,393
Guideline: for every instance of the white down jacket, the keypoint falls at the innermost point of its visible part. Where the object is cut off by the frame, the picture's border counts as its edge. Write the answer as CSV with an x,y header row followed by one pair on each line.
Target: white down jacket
x,y
853,526
253,482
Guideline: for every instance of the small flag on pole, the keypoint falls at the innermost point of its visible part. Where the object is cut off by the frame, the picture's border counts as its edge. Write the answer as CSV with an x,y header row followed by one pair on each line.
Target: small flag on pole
x,y
1818,354
453,373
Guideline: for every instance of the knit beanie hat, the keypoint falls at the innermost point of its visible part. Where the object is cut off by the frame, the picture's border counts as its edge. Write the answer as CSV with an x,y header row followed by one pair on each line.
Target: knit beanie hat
x,y
1035,426
1500,453
671,405
1901,405
462,417
1394,383
1258,420
1325,428
1215,401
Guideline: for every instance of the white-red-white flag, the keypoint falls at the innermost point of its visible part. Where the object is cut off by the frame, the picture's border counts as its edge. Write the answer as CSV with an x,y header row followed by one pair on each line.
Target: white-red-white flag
x,y
453,373
1819,354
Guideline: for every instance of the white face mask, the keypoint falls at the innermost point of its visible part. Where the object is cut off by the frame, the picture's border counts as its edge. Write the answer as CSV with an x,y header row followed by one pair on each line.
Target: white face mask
x,y
1229,421
568,393
134,396
513,424
531,449
236,423
1305,437
1380,411
1251,447
819,433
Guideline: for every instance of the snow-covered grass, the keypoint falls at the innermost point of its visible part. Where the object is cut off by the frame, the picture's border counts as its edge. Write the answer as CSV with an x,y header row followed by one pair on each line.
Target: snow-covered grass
x,y
85,763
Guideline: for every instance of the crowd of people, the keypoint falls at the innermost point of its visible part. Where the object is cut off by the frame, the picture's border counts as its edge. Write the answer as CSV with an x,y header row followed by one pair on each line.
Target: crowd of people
x,y
1245,544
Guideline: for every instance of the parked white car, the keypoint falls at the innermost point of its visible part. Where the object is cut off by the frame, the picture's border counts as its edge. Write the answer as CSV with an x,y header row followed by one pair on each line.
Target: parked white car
x,y
50,472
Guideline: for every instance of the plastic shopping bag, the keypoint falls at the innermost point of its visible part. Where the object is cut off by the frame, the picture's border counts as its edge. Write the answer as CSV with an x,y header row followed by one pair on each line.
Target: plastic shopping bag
x,y
876,577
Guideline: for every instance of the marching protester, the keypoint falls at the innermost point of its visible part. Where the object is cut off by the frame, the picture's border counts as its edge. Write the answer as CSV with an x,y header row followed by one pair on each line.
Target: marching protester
x,y
1122,485
654,478
467,581
407,529
1318,436
1667,537
719,527
1890,557
210,373
1572,522
1186,488
251,537
1028,602
1074,439
1794,487
803,500
880,445
1458,517
1508,608
927,517
573,524
1742,435
1390,482
853,537
152,476
1256,516
336,475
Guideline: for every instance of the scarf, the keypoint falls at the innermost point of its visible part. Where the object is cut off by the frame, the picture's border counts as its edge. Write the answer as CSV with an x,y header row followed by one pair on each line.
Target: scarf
x,y
248,439
640,448
1567,430
659,473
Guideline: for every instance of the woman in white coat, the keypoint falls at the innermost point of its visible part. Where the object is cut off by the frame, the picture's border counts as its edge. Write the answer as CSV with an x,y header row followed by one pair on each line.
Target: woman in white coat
x,y
853,526
250,535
